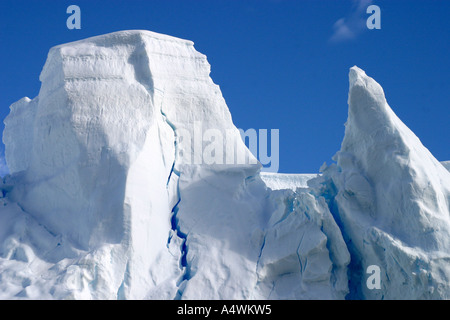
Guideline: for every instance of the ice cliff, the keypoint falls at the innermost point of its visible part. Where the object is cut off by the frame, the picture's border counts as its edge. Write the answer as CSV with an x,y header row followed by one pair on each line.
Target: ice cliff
x,y
111,196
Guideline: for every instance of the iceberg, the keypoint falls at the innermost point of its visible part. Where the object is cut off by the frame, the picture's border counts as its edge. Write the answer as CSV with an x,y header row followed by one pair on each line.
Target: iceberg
x,y
391,198
117,191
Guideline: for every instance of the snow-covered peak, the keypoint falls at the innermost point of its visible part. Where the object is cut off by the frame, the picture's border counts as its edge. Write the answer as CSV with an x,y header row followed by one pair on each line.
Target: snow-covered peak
x,y
391,198
357,76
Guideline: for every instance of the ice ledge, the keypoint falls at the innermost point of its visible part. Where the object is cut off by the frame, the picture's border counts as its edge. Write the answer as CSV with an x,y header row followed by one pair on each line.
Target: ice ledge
x,y
279,181
119,37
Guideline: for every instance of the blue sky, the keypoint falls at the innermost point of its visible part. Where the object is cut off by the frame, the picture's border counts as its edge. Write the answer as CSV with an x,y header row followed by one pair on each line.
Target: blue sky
x,y
281,64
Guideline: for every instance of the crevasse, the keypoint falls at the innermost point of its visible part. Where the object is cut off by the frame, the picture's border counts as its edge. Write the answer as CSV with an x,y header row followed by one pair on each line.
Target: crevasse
x,y
175,228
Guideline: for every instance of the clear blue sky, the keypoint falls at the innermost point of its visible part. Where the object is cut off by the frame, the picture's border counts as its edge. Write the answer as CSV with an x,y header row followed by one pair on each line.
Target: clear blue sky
x,y
281,64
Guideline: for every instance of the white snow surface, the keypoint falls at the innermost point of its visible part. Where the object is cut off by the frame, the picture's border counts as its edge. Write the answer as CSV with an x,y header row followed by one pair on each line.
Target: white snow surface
x,y
278,181
107,198
391,198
